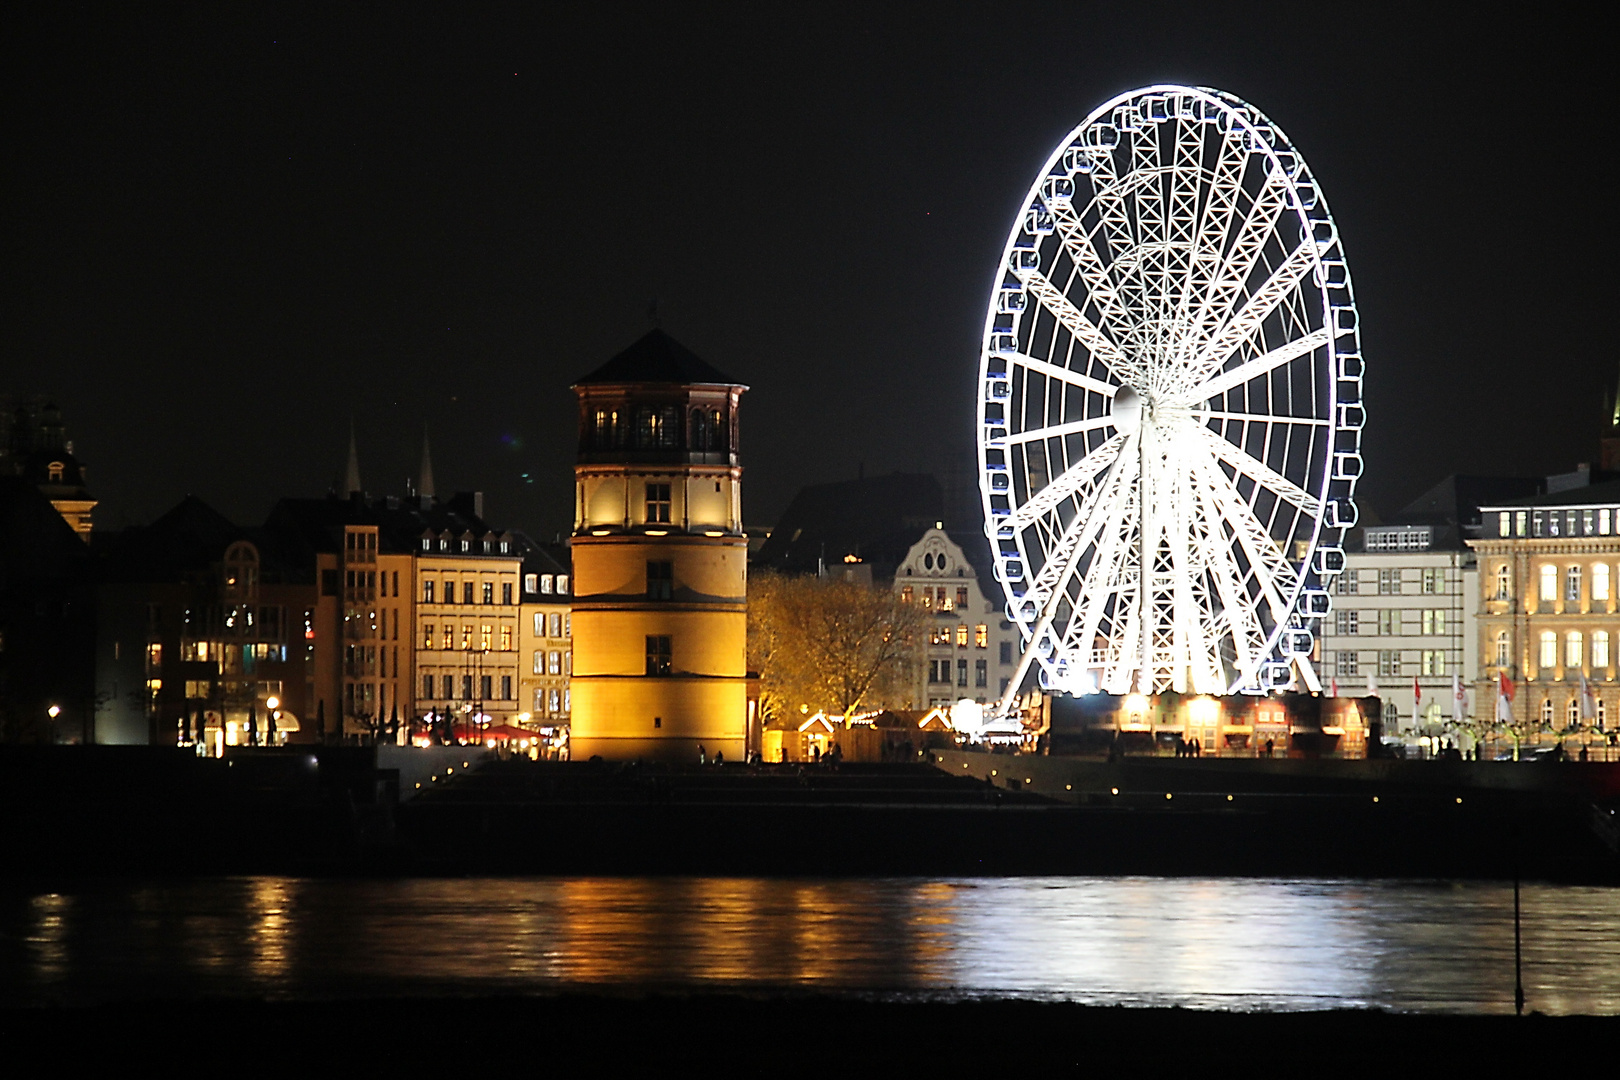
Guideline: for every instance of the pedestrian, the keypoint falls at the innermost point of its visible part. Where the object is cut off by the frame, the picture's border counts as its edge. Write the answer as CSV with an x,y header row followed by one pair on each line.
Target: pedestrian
x,y
703,755
719,757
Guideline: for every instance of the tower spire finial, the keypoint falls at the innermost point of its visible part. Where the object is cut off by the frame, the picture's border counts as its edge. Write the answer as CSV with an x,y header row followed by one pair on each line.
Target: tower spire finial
x,y
425,487
351,482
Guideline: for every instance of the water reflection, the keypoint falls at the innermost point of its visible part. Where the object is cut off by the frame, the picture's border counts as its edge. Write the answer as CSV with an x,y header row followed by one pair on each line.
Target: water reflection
x,y
1227,943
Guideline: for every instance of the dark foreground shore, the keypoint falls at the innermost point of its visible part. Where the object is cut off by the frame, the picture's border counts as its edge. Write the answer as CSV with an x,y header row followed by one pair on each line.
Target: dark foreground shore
x,y
796,1035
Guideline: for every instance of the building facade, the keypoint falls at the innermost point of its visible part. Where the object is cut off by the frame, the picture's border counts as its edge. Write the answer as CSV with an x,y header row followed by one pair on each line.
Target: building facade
x,y
546,640
972,650
659,560
1549,621
1403,624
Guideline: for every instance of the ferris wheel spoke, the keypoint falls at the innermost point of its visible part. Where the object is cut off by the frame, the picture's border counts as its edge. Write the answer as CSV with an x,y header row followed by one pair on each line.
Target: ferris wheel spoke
x,y
1056,431
1258,471
1068,483
1245,251
1099,283
1256,367
1261,418
1071,318
1090,523
1106,578
1061,373
1214,224
1248,636
1271,571
1248,319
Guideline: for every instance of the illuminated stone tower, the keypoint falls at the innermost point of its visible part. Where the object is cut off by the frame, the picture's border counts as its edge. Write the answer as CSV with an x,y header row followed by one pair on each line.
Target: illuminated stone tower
x,y
660,560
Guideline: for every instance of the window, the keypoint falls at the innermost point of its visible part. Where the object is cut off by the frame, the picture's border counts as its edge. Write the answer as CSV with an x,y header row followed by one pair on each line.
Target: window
x,y
489,592
1434,621
539,624
1587,522
1502,660
466,688
1570,517
539,663
981,673
448,682
1503,586
1572,649
1346,622
531,583
1600,648
1344,663
427,635
1349,583
1519,519
486,634
506,688
1503,528
1389,582
927,598
1006,652
467,593
961,673
660,580
568,618
562,583
659,659
943,600
1546,711
1387,621
1389,662
427,592
1431,580
1602,710
449,591
486,687
1434,662
657,427
658,504
545,584
427,686
1600,581
1536,524
1572,585
1603,521
554,663
1572,710
466,635
1549,648
506,638
506,592
939,635
557,703
981,636
568,663
1549,582
557,628
961,635
448,631
961,598
905,595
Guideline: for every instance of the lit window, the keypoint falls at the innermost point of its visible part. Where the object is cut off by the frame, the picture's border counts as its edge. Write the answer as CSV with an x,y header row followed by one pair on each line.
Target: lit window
x,y
554,663
961,597
1503,526
1503,582
1600,581
1549,648
539,663
486,634
1431,581
1586,522
1600,648
531,583
1549,582
539,624
466,635
1572,585
427,635
981,636
1502,648
1572,711
545,584
1603,521
1519,519
659,657
1546,711
489,592
1572,649
506,592
1386,621
905,595
506,638
556,624
961,635
562,583
1602,712
1389,662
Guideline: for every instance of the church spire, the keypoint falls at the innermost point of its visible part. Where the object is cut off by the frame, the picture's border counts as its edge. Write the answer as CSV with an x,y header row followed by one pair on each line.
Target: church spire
x,y
425,487
351,483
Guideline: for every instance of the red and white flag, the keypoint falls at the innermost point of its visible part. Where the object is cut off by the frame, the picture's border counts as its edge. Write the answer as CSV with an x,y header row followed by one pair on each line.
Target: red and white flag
x,y
1417,695
1588,699
1504,698
1334,683
1459,699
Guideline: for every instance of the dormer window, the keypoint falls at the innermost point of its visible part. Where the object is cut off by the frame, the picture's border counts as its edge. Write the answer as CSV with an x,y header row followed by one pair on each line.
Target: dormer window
x,y
427,545
466,545
56,469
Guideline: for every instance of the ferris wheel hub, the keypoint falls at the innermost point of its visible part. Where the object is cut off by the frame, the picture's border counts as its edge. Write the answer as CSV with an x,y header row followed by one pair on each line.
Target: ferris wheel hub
x,y
1126,410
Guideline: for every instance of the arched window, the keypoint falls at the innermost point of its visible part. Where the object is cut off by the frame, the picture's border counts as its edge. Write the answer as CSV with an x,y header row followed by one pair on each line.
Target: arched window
x,y
241,570
1572,712
1547,711
1600,648
1572,649
1549,582
1549,648
1503,582
1601,712
56,469
1502,656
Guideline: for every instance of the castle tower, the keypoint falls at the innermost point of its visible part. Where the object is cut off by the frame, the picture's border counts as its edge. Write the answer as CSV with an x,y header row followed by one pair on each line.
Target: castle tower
x,y
660,560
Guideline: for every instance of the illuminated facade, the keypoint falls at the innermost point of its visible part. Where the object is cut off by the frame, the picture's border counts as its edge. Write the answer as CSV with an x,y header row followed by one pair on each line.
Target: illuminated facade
x,y
546,645
34,445
659,560
1548,614
972,649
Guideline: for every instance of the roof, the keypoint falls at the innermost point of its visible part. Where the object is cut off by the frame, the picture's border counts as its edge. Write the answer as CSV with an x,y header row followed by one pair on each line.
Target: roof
x,y
657,358
1592,495
1456,499
877,518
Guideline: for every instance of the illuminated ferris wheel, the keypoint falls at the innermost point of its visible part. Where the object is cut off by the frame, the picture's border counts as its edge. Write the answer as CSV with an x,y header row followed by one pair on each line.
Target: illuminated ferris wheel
x,y
1170,404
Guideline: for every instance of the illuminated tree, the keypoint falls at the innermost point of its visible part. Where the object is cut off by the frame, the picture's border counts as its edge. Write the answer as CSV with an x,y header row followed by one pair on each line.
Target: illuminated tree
x,y
829,646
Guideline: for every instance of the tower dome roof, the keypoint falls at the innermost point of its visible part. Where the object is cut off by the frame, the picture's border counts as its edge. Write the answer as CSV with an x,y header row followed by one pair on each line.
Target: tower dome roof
x,y
658,358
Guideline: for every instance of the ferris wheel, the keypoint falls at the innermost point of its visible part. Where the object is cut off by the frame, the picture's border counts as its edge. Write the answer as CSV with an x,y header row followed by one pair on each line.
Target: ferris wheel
x,y
1170,404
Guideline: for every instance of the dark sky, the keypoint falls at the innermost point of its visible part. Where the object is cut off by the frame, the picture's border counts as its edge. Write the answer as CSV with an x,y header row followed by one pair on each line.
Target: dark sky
x,y
228,233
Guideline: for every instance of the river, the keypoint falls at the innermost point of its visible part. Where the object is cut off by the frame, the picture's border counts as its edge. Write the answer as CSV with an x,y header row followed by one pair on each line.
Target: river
x,y
1245,944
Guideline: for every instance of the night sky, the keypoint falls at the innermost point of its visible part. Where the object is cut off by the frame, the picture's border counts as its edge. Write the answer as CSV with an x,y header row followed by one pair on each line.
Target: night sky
x,y
226,234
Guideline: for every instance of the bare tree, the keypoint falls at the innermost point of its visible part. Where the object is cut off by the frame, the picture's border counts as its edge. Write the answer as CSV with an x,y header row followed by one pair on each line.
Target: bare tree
x,y
832,646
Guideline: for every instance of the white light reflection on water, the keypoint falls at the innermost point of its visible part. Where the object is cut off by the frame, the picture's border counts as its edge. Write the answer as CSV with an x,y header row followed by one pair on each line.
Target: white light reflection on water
x,y
1209,943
